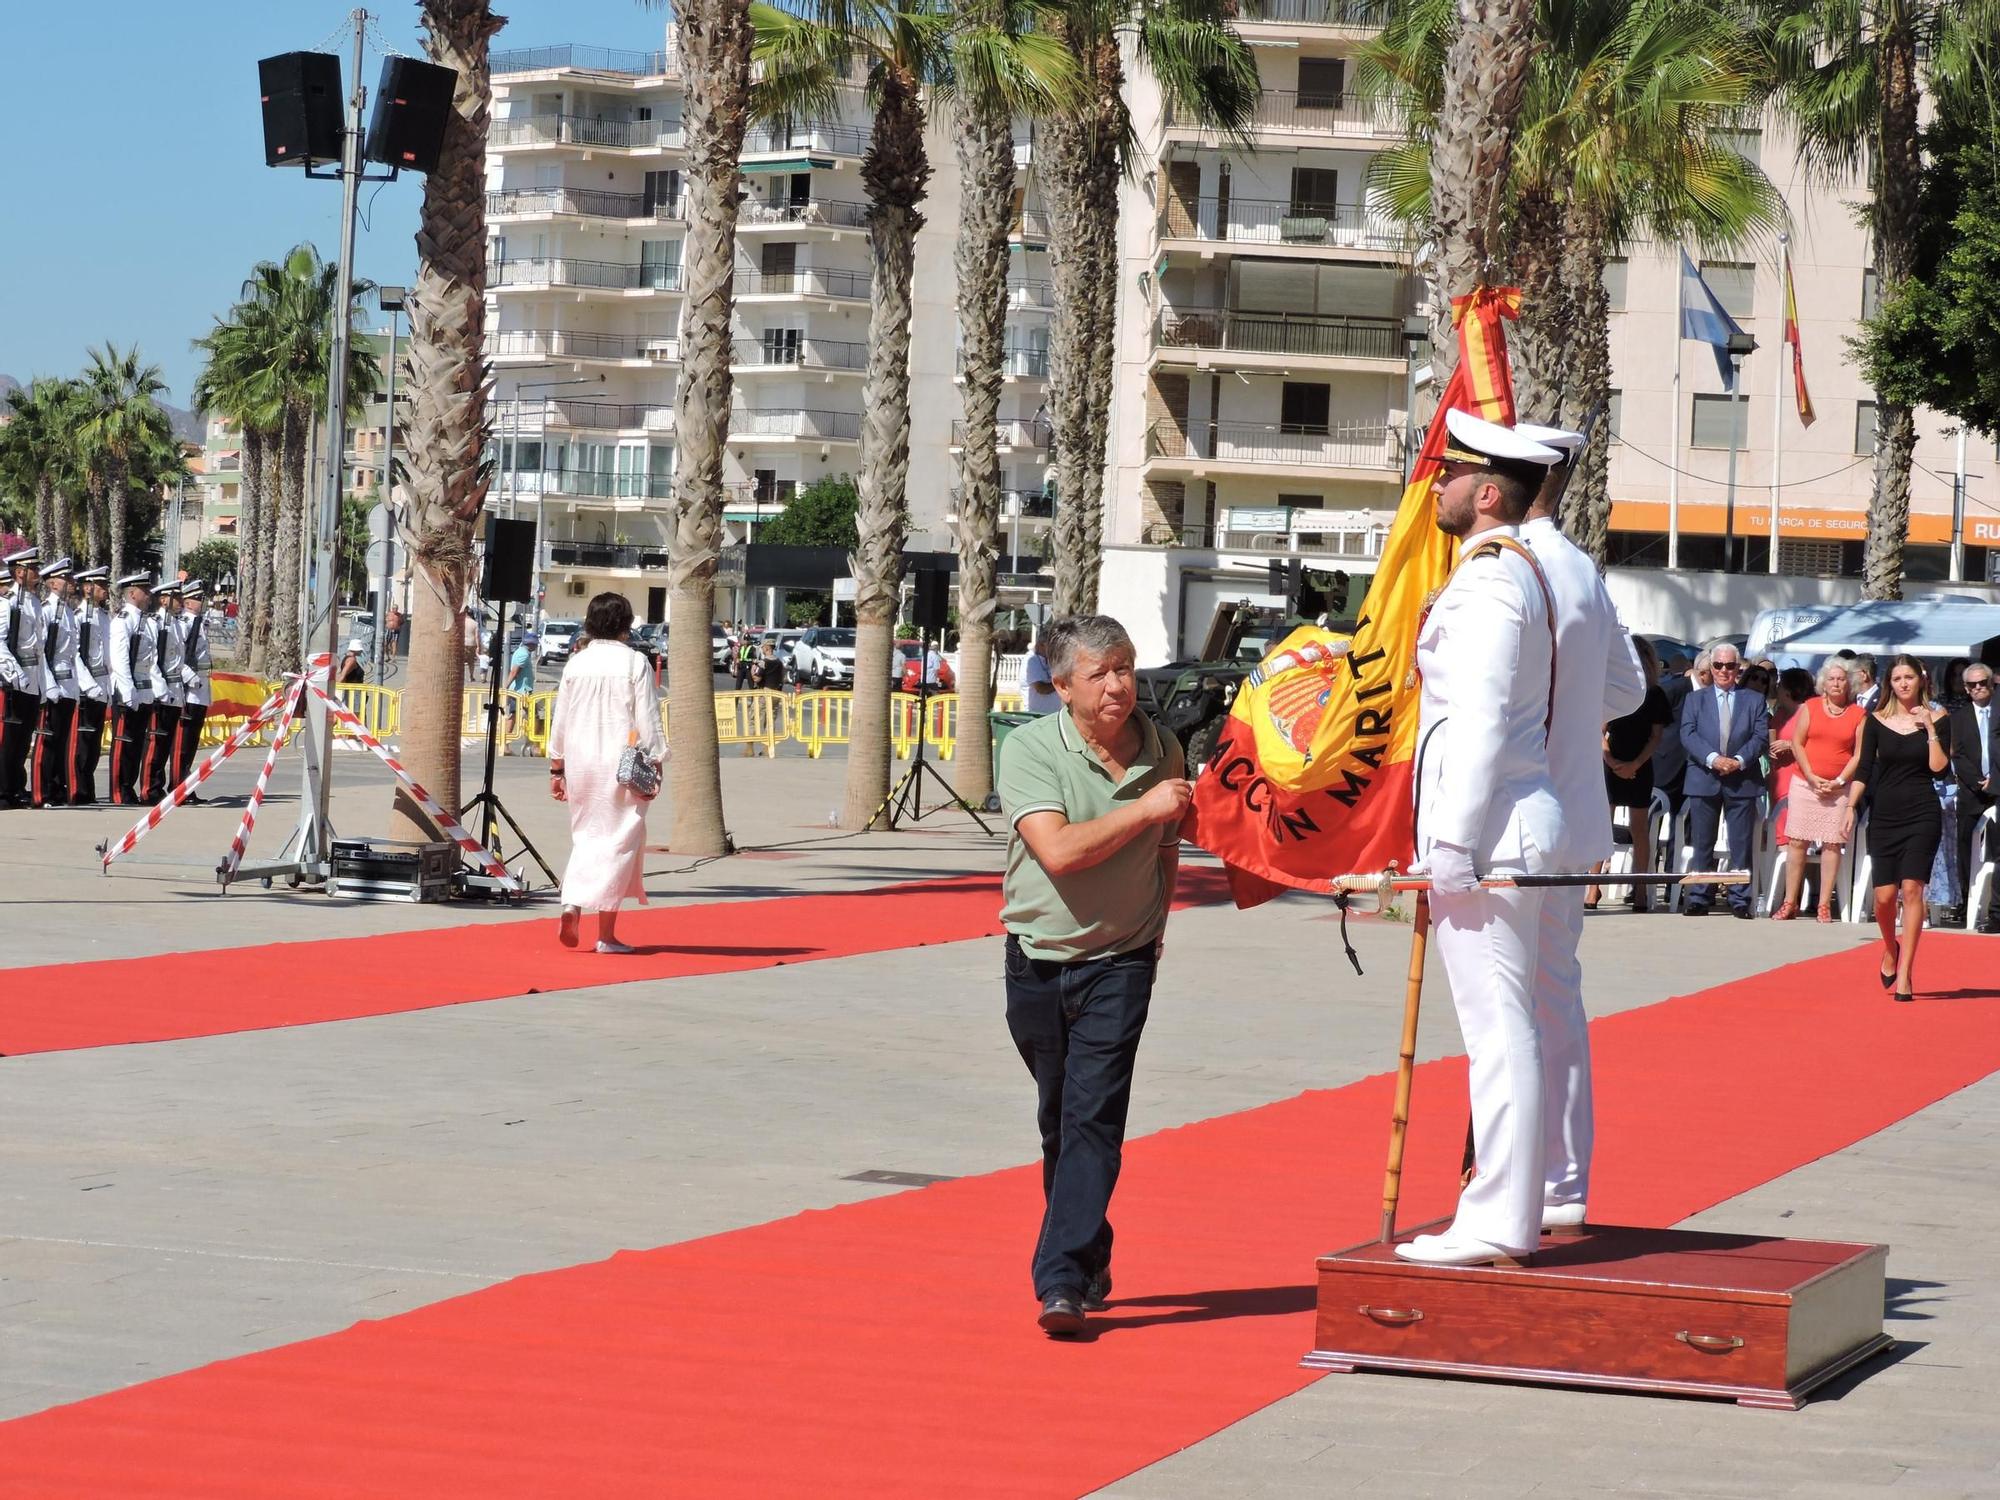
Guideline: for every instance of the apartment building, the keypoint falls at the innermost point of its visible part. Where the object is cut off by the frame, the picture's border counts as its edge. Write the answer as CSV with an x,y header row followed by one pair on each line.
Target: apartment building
x,y
587,220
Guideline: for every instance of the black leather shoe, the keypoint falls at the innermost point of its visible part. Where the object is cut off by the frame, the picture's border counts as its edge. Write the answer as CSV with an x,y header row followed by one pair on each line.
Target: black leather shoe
x,y
1989,927
1694,911
1061,1316
1097,1296
1743,913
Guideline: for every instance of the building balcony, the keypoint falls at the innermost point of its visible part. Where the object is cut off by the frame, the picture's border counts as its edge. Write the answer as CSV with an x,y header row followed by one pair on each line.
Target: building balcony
x,y
1285,117
529,417
1367,451
794,145
1268,223
639,490
584,132
603,557
1023,505
1256,340
747,356
814,213
580,203
567,57
809,283
1031,296
1288,20
527,344
793,424
1018,364
1031,229
1013,435
583,275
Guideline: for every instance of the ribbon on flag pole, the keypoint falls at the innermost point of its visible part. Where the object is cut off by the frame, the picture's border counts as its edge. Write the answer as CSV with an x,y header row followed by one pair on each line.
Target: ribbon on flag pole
x,y
1311,776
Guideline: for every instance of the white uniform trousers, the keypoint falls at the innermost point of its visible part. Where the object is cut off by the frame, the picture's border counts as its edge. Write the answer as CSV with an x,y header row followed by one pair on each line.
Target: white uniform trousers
x,y
1489,940
1565,1037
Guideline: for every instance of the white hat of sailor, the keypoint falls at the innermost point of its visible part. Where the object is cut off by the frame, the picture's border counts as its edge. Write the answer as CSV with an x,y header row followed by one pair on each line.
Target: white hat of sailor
x,y
194,588
62,567
27,557
136,580
1559,438
1488,445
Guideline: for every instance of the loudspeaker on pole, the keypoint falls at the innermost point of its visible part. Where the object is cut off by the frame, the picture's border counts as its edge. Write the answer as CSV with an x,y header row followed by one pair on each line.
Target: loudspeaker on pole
x,y
509,573
412,108
301,101
931,606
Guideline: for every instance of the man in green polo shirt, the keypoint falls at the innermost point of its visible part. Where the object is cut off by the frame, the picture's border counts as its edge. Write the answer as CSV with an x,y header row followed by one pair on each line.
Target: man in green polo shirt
x,y
1094,795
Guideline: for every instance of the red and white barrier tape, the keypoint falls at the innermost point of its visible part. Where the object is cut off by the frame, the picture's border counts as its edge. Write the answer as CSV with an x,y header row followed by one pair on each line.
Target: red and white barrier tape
x,y
296,689
422,798
208,767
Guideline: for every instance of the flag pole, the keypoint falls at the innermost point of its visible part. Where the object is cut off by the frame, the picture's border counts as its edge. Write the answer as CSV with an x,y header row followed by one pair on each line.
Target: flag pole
x,y
1778,388
1674,462
1406,1065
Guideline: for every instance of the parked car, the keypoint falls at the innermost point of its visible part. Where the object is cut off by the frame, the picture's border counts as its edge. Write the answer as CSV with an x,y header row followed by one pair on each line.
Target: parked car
x,y
824,657
721,648
650,641
785,640
558,637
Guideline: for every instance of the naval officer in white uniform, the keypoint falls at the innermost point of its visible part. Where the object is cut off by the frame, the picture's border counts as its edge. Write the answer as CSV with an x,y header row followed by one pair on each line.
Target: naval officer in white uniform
x,y
1487,805
1598,678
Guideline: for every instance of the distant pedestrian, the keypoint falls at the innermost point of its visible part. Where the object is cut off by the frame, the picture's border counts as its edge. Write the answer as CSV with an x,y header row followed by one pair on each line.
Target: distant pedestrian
x,y
1038,689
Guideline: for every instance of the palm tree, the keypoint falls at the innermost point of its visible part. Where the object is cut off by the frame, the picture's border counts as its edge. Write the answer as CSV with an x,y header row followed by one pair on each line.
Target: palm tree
x,y
121,426
1204,72
806,56
714,38
446,473
231,385
1850,74
1619,134
37,456
1000,68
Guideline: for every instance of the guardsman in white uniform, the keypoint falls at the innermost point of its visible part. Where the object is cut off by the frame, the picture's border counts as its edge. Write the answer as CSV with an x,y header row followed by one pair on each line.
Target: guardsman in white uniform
x,y
21,675
93,684
196,663
52,739
1598,679
1487,805
165,727
132,687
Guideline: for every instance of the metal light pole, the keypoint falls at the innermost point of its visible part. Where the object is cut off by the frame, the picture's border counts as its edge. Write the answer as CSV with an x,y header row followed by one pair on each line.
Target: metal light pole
x,y
1958,511
391,299
1740,345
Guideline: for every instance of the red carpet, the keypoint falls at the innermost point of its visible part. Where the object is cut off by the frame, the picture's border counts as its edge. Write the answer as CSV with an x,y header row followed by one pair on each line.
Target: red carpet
x,y
174,995
887,1348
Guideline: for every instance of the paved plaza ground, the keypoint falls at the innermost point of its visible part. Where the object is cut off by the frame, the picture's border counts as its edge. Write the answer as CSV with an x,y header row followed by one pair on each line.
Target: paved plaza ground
x,y
171,1204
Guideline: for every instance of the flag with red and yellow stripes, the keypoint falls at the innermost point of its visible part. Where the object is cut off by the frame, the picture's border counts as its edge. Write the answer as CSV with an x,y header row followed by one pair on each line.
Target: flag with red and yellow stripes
x,y
1311,777
1798,347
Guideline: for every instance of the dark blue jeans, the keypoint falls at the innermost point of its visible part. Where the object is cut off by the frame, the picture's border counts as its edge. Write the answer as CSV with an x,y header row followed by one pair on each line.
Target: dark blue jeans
x,y
1077,1026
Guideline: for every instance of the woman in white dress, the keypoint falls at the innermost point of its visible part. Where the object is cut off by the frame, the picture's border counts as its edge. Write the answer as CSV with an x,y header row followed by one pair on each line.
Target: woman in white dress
x,y
607,697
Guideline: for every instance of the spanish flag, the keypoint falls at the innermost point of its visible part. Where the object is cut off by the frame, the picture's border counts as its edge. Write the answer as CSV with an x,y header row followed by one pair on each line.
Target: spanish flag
x,y
1311,777
1798,347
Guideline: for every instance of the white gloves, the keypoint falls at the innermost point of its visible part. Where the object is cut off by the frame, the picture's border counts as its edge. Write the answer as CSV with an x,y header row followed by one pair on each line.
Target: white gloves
x,y
1451,870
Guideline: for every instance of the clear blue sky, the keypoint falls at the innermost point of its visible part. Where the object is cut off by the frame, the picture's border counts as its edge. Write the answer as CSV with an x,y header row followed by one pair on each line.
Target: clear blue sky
x,y
133,167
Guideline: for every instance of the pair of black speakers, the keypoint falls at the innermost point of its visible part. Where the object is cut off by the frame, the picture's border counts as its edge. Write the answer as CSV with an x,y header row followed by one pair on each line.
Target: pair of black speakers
x,y
302,111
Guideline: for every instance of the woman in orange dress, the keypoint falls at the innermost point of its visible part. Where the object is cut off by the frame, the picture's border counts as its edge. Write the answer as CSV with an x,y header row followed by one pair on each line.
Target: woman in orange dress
x,y
1825,741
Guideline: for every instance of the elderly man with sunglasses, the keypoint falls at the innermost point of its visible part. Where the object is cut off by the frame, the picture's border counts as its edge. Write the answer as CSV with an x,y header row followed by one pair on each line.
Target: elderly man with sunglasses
x,y
1725,729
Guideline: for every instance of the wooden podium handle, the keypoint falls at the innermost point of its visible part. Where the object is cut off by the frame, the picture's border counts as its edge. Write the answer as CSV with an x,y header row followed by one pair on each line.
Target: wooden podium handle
x,y
1394,1314
1710,1343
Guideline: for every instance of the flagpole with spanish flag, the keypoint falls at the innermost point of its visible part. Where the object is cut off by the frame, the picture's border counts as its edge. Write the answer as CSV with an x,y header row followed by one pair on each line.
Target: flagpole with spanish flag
x,y
1778,393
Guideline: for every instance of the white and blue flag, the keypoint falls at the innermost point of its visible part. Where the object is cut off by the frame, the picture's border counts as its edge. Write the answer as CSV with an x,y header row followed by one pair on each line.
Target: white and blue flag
x,y
1704,318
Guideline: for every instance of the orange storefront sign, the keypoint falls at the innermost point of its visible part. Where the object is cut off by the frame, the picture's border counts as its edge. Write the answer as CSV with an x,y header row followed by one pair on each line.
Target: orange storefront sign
x,y
1806,523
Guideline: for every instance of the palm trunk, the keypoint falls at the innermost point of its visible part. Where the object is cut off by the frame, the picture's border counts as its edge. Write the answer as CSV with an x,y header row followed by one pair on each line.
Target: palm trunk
x,y
249,517
65,518
986,170
895,172
447,423
96,509
45,518
1537,346
715,62
1899,169
267,547
285,645
118,510
1472,149
1586,508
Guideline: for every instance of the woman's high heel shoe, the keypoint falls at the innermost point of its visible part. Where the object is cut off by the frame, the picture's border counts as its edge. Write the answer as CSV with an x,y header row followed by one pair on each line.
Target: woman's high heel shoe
x,y
1895,960
1904,995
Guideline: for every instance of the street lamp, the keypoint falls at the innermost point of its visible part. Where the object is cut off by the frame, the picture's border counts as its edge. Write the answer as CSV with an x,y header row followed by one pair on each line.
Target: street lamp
x,y
392,300
1739,347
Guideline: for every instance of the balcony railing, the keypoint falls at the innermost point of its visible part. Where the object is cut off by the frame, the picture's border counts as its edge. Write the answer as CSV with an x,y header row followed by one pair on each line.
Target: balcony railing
x,y
1344,445
621,62
562,343
1286,111
529,417
1354,13
1254,221
740,494
589,203
588,484
799,354
1028,364
1029,505
791,422
835,140
1308,335
1031,294
826,213
585,130
1010,432
601,275
1033,225
808,281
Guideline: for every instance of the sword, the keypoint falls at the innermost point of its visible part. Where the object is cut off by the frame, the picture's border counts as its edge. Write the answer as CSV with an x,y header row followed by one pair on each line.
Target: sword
x,y
1387,882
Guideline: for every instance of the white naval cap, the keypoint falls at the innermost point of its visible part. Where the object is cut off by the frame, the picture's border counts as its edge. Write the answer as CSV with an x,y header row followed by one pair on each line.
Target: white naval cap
x,y
60,568
136,580
167,586
194,588
1474,440
27,557
94,575
1559,438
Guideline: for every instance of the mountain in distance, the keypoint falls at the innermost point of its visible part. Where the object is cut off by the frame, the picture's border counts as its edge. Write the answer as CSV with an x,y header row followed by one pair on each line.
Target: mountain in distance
x,y
188,425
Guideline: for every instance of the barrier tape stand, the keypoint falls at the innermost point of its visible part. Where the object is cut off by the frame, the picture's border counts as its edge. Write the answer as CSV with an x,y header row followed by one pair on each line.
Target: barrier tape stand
x,y
226,871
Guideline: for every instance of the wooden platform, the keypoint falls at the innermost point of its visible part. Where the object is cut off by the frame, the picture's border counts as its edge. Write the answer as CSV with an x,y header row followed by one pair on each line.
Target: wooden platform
x,y
1667,1311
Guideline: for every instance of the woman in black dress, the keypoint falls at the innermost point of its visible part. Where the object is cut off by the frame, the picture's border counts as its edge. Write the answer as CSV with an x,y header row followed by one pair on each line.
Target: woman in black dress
x,y
1629,744
1900,753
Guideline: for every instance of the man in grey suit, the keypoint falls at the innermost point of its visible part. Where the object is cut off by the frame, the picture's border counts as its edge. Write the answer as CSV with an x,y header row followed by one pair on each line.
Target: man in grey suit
x,y
1725,730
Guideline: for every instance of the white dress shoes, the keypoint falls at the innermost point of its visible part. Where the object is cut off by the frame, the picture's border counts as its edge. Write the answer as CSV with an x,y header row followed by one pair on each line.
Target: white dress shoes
x,y
1562,1218
1454,1249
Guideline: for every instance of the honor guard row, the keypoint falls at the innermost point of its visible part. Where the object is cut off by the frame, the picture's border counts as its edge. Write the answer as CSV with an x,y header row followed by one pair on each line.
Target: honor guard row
x,y
66,662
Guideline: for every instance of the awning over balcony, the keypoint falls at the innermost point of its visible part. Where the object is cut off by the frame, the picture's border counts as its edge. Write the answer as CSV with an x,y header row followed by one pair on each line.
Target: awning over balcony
x,y
791,164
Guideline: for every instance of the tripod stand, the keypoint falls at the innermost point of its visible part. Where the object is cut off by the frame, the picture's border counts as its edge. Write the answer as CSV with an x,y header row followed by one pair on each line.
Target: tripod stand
x,y
492,809
907,800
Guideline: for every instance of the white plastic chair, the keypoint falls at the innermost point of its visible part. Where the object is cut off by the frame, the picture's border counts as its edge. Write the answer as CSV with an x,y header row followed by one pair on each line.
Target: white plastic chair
x,y
1979,885
1759,838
